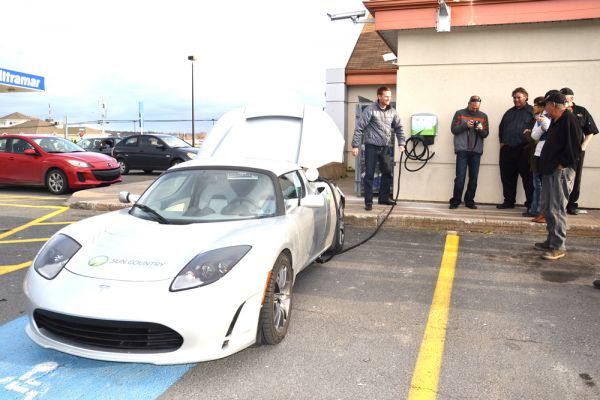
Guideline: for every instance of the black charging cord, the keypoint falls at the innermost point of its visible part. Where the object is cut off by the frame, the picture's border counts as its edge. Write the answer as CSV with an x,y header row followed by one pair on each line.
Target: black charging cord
x,y
410,148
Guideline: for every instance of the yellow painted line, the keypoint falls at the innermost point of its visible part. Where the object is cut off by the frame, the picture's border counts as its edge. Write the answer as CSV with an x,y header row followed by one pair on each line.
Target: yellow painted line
x,y
8,196
429,362
24,241
34,222
30,206
5,269
56,223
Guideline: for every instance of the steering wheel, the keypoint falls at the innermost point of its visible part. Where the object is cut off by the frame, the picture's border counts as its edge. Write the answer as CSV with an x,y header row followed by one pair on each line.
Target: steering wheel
x,y
240,206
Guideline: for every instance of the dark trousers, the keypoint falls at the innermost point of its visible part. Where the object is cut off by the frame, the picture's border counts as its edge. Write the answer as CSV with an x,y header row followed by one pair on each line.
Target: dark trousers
x,y
465,160
574,196
514,161
373,156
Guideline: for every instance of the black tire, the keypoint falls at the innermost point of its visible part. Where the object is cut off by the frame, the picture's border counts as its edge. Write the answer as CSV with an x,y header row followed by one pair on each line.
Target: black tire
x,y
148,171
56,182
123,166
277,308
340,232
176,161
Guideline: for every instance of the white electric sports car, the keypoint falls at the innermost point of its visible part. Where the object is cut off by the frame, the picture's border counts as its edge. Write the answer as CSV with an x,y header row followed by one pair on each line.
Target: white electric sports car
x,y
204,262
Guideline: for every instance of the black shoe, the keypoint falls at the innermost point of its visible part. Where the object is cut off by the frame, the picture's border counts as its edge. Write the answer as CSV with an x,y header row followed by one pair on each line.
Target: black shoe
x,y
573,211
387,202
471,206
368,207
528,214
544,246
597,283
504,206
453,206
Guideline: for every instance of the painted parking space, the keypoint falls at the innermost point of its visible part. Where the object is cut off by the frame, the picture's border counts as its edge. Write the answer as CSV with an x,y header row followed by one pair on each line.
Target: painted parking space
x,y
29,372
7,238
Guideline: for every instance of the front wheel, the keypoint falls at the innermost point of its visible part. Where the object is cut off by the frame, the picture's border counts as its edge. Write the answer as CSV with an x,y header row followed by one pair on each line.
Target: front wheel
x,y
175,162
277,307
56,182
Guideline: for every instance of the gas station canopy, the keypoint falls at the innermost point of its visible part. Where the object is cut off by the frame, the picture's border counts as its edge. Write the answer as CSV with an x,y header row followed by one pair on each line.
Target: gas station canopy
x,y
13,81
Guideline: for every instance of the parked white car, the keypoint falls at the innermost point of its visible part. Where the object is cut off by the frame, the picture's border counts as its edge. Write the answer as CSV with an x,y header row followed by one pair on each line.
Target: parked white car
x,y
203,264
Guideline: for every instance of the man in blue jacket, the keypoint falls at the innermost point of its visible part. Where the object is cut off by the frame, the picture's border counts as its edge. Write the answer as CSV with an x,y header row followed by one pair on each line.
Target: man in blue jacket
x,y
375,126
469,127
514,149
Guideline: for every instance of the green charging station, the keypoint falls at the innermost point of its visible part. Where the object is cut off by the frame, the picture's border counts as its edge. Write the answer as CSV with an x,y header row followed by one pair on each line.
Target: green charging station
x,y
424,125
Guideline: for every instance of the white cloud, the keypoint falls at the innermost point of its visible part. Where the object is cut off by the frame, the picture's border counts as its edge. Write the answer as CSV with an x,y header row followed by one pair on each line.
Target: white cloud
x,y
130,51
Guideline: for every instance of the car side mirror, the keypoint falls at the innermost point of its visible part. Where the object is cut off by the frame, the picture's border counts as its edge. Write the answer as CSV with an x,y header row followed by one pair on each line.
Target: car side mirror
x,y
126,197
313,201
30,152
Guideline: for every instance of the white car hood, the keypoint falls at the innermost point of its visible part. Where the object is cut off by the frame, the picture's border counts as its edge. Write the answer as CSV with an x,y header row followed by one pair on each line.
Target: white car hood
x,y
118,246
298,134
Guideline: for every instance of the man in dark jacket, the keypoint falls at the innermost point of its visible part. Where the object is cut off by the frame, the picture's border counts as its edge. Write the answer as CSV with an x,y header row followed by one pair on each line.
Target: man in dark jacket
x,y
469,127
589,129
514,149
557,164
375,126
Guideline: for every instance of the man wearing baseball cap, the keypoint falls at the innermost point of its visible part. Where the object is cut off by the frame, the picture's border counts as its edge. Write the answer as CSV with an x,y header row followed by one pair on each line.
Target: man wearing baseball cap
x,y
557,164
589,129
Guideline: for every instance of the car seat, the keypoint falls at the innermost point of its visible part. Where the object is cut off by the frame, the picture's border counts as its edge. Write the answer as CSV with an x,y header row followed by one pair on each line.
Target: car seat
x,y
242,204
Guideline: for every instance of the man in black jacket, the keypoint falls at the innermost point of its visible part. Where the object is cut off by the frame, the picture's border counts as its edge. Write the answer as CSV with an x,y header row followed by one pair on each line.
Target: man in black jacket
x,y
557,164
514,149
589,129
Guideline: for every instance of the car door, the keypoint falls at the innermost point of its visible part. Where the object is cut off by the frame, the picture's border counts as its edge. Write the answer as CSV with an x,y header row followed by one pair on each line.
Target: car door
x,y
154,153
302,219
129,150
24,168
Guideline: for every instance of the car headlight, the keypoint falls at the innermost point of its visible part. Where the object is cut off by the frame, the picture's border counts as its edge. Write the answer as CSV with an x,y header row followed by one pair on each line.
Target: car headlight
x,y
191,155
208,267
55,255
81,164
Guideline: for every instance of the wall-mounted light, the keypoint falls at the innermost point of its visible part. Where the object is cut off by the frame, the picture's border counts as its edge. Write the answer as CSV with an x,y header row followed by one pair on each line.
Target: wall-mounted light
x,y
443,17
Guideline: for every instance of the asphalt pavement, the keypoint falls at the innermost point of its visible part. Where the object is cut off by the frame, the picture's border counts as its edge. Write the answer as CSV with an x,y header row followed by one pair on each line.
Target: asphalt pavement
x,y
429,216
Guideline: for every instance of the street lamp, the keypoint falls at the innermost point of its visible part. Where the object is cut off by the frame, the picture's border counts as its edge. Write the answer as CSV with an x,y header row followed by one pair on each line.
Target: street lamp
x,y
192,59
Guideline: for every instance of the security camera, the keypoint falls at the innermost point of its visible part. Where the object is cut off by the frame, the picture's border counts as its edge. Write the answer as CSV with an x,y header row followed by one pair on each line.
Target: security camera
x,y
354,15
389,57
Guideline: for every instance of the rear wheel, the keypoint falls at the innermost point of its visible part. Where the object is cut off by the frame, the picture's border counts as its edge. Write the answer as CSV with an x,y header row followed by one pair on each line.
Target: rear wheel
x,y
277,307
340,232
123,166
56,182
176,161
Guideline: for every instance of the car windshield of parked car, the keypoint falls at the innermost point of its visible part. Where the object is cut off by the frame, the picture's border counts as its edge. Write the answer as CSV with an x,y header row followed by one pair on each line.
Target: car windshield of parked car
x,y
175,142
57,145
209,195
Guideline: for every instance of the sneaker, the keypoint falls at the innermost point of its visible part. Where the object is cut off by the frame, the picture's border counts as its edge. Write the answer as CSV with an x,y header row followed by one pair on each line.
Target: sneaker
x,y
553,254
544,246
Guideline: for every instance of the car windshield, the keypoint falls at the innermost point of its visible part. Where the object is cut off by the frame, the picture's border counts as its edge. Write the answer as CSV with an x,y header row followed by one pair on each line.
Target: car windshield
x,y
57,145
174,141
209,195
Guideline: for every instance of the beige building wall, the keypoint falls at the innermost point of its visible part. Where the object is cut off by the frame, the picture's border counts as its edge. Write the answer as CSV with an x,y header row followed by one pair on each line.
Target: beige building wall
x,y
439,71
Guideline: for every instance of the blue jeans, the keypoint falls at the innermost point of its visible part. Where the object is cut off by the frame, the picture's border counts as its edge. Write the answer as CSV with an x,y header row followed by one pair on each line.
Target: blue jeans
x,y
534,209
373,155
464,160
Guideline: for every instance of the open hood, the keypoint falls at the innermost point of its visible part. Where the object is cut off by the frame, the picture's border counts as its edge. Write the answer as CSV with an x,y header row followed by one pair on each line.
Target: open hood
x,y
303,135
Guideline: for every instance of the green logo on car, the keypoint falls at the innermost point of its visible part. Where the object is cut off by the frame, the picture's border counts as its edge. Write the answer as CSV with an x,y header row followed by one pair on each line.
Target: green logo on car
x,y
98,261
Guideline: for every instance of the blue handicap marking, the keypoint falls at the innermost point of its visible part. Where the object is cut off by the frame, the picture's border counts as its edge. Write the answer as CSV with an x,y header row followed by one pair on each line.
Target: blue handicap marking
x,y
28,372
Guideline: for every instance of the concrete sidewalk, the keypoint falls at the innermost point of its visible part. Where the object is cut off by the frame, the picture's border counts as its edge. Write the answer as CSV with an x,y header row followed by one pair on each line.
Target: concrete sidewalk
x,y
406,215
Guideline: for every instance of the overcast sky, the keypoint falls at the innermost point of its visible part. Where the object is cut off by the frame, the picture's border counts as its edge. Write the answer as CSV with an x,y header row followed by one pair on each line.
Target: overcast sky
x,y
128,51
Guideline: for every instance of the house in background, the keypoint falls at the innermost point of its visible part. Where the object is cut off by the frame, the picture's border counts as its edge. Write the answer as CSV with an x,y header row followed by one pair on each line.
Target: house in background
x,y
489,48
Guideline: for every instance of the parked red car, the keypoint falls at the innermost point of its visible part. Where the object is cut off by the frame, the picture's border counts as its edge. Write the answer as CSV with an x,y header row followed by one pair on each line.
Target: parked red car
x,y
53,162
